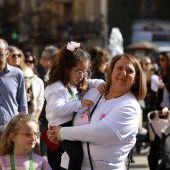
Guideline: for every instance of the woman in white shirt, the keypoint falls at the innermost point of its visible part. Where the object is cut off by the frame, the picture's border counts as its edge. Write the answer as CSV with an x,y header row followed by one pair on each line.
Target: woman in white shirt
x,y
112,130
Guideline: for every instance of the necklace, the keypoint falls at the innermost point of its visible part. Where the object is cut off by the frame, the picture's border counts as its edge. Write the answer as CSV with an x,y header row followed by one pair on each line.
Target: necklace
x,y
12,161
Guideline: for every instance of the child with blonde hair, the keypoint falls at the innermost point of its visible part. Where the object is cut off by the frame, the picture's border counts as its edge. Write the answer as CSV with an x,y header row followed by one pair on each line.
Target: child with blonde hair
x,y
19,138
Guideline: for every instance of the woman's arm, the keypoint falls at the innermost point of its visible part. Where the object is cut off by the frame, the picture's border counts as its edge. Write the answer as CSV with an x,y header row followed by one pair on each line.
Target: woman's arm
x,y
113,128
166,98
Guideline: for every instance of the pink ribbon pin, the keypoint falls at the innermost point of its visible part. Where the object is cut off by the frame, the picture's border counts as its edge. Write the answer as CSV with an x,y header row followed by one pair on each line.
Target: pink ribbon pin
x,y
102,116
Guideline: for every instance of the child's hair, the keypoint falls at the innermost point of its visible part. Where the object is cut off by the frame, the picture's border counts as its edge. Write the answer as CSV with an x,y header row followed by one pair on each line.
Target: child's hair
x,y
14,125
65,60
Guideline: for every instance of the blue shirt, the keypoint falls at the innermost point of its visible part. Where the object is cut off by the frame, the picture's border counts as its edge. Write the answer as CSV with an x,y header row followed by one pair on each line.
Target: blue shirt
x,y
13,98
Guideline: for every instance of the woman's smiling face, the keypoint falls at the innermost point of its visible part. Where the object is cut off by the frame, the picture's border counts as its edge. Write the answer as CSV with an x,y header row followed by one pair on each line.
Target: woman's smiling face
x,y
123,75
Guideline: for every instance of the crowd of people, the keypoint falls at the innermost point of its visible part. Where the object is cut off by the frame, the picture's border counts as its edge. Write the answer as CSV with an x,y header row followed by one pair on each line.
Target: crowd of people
x,y
86,106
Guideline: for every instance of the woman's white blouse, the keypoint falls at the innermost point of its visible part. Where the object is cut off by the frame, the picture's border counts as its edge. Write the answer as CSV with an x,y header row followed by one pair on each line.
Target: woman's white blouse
x,y
111,132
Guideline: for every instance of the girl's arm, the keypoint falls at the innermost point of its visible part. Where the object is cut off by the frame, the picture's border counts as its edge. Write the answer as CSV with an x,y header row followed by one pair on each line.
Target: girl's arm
x,y
60,102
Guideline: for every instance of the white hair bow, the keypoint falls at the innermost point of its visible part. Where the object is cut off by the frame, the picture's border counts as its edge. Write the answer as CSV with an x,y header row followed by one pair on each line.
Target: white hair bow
x,y
72,45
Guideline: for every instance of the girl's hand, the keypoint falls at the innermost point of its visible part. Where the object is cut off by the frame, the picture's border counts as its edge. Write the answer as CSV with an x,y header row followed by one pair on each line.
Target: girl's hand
x,y
87,103
161,85
86,112
102,88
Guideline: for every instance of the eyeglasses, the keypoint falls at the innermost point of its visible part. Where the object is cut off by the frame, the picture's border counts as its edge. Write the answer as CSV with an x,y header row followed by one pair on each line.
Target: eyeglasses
x,y
161,59
14,55
29,61
2,54
81,73
30,135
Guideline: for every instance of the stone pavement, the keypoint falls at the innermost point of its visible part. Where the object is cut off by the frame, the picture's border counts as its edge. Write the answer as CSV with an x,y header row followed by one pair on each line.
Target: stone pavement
x,y
141,162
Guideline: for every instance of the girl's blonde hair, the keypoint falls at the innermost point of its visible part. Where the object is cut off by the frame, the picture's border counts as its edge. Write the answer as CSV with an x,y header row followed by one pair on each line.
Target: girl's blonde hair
x,y
14,125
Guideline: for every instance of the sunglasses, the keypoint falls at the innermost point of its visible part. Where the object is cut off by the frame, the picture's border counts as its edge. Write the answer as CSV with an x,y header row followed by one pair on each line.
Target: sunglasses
x,y
161,59
14,55
29,61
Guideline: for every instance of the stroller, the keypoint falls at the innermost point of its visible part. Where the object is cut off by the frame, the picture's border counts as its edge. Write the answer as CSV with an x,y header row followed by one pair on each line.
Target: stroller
x,y
159,135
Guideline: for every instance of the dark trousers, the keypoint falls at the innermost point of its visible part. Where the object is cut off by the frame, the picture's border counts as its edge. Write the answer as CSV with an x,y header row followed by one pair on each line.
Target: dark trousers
x,y
54,158
74,150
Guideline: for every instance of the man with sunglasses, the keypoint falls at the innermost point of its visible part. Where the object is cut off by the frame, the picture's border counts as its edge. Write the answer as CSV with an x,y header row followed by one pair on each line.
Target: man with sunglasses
x,y
12,89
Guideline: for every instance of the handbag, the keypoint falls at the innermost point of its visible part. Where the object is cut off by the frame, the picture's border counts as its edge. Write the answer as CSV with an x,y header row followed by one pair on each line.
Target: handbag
x,y
51,146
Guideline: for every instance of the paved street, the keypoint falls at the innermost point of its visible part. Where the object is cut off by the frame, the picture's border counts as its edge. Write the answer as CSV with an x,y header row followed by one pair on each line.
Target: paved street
x,y
141,162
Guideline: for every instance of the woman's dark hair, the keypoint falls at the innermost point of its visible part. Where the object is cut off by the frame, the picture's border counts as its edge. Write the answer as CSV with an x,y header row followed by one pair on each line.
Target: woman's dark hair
x,y
64,61
28,53
165,72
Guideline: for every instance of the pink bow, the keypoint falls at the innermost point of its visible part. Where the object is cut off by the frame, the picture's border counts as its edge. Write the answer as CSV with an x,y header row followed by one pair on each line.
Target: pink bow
x,y
72,45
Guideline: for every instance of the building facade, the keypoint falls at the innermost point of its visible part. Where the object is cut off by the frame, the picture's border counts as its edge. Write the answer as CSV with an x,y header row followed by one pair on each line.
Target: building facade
x,y
34,24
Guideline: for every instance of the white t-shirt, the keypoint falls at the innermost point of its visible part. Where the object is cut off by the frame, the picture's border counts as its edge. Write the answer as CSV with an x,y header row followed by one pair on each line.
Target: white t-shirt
x,y
111,132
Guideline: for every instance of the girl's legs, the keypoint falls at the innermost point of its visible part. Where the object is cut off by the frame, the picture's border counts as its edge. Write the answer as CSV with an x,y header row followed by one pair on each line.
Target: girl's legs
x,y
75,152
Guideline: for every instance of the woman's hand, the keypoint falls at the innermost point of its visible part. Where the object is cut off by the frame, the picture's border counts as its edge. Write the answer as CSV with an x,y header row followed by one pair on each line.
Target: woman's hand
x,y
164,111
52,134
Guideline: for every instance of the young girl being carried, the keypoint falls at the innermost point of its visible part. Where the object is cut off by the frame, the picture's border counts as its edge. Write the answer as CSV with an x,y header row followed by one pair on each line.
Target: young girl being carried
x,y
68,80
19,138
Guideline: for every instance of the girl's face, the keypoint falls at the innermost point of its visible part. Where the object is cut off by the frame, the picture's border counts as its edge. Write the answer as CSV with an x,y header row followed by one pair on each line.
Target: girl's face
x,y
26,138
14,58
79,72
147,65
123,76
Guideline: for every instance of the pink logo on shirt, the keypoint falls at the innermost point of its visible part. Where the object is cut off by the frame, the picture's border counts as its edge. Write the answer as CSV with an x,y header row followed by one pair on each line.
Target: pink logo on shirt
x,y
102,116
